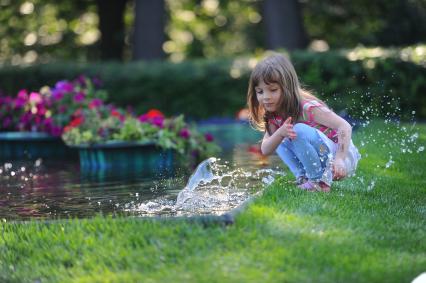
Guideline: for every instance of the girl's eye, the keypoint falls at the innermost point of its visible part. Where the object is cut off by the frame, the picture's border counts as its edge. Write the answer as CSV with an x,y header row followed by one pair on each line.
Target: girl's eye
x,y
259,91
274,90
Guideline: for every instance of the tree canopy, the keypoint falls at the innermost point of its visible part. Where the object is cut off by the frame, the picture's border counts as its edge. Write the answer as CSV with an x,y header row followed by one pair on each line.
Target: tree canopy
x,y
43,30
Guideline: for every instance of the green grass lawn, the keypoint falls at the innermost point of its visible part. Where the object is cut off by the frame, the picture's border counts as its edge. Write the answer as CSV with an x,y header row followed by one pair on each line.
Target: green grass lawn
x,y
370,228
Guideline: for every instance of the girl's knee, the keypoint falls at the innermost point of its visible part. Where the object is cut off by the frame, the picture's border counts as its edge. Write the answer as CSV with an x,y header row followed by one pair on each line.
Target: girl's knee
x,y
302,130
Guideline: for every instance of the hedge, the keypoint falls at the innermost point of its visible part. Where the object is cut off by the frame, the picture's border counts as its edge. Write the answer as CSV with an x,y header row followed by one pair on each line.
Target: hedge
x,y
206,88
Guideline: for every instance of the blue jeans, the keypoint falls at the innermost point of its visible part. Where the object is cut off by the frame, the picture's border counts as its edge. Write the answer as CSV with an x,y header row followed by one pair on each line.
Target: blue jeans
x,y
305,156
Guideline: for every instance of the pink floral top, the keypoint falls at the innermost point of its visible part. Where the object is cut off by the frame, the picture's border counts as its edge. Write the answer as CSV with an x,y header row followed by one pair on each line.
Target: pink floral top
x,y
308,118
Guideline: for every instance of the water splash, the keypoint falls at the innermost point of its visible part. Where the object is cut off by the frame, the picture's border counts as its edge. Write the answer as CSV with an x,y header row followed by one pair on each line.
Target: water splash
x,y
213,188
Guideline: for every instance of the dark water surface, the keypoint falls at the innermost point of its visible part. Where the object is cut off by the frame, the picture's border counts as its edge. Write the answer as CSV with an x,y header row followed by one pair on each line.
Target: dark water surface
x,y
52,189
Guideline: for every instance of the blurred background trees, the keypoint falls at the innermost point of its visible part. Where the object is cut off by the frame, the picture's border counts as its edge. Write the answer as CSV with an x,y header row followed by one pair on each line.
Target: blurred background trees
x,y
92,30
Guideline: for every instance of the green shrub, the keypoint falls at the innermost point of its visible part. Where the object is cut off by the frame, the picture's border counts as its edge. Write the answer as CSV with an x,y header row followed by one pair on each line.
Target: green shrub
x,y
205,88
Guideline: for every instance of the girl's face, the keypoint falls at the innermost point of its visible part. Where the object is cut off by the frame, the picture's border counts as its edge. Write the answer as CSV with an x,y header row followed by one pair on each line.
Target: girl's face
x,y
268,95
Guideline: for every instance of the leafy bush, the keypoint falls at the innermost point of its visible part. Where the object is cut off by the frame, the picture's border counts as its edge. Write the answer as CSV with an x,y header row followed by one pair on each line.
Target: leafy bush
x,y
205,88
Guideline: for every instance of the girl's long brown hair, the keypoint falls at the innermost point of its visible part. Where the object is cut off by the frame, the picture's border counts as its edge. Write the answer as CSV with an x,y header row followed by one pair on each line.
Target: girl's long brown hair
x,y
278,69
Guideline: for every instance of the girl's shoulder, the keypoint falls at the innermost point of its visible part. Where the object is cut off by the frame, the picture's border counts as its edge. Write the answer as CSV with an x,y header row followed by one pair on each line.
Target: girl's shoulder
x,y
308,103
307,107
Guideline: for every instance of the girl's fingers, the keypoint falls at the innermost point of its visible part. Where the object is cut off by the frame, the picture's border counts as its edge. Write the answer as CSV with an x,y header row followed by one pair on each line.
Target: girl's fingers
x,y
288,121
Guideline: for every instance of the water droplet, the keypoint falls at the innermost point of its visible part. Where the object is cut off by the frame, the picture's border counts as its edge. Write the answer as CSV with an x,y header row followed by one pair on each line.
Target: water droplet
x,y
38,162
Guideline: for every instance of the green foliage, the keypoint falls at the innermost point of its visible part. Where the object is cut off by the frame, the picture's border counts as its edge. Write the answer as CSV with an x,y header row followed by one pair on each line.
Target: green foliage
x,y
42,30
348,80
350,23
353,234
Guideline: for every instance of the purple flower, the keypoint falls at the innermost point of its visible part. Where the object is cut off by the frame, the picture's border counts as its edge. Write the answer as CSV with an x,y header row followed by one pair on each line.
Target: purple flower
x,y
64,86
48,122
81,80
97,82
209,137
7,122
185,133
79,97
25,119
57,94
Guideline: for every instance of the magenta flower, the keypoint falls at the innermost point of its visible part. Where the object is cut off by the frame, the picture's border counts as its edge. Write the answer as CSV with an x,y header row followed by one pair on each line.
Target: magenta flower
x,y
209,137
79,97
20,102
185,133
48,122
158,121
143,118
25,119
41,109
56,131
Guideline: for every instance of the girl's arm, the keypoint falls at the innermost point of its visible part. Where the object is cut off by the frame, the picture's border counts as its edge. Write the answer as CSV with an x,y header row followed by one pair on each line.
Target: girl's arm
x,y
270,143
330,119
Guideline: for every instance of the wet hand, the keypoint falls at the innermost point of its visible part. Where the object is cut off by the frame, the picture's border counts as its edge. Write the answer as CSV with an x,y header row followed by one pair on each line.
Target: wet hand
x,y
286,129
338,169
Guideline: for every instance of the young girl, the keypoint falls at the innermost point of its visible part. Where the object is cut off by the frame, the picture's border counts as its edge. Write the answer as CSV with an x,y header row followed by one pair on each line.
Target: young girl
x,y
312,140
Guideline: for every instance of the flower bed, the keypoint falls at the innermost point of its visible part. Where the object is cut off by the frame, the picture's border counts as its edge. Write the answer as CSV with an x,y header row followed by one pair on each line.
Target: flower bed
x,y
76,112
107,137
31,124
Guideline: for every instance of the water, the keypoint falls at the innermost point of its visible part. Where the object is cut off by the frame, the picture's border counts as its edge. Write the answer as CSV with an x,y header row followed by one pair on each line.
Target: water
x,y
47,189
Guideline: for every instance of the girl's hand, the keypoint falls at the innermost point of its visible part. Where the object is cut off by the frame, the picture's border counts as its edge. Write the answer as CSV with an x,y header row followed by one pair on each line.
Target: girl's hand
x,y
339,170
286,129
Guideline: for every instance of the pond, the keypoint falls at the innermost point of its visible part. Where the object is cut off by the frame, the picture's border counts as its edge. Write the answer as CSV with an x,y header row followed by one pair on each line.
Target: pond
x,y
52,189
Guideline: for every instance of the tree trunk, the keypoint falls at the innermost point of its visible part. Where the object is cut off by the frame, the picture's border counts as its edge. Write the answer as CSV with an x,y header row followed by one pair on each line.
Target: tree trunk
x,y
284,24
111,25
149,29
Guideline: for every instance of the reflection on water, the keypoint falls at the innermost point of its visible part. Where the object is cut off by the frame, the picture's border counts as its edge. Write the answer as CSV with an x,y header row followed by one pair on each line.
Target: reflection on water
x,y
59,189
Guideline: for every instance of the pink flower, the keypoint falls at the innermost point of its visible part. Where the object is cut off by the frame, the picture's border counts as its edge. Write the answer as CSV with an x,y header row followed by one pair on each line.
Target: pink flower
x,y
23,94
95,103
35,98
185,133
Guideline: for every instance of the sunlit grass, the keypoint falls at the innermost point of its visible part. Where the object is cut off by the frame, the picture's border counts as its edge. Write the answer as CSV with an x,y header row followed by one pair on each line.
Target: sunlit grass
x,y
370,228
